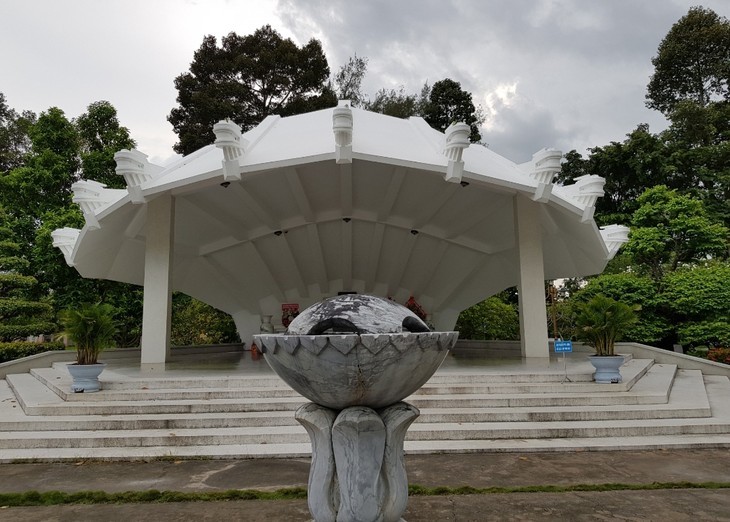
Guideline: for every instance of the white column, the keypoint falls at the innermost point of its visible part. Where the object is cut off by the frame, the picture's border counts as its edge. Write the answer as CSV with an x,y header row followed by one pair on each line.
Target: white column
x,y
157,311
531,287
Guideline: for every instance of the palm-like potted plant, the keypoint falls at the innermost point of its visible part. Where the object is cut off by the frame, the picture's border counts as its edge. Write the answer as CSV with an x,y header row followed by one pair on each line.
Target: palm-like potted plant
x,y
601,322
92,328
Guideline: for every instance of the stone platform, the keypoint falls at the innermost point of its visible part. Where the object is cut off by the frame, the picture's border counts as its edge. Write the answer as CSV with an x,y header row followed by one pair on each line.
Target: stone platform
x,y
230,406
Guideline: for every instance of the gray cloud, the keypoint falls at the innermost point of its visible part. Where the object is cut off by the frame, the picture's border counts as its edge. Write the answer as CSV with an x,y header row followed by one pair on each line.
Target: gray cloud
x,y
580,68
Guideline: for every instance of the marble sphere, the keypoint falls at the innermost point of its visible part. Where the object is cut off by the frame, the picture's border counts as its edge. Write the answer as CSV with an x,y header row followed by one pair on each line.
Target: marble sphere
x,y
356,350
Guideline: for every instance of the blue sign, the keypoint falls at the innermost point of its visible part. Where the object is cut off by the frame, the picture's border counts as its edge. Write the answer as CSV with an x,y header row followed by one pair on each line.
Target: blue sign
x,y
563,346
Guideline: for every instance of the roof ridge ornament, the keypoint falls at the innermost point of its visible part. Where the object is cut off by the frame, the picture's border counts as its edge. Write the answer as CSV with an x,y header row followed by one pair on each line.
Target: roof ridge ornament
x,y
585,191
545,165
229,138
457,139
342,128
133,165
614,236
65,240
90,196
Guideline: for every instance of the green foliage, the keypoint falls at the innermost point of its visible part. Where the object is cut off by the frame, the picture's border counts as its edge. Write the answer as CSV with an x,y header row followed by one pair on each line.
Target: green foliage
x,y
652,325
92,329
448,103
671,228
246,79
19,315
602,321
101,137
490,319
348,81
692,62
194,322
714,333
14,139
629,168
396,103
16,350
699,292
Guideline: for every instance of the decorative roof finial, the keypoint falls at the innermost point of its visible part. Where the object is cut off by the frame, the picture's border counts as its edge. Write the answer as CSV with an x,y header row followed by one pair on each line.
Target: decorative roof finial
x,y
133,165
457,139
342,127
228,137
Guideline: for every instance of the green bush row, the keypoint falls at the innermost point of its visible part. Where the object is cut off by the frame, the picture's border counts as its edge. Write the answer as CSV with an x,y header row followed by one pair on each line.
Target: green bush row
x,y
18,349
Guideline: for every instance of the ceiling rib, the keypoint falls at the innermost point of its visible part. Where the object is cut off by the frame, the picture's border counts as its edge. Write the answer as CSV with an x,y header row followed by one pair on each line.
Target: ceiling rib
x,y
249,201
376,246
404,255
315,246
386,205
300,196
347,255
288,256
266,271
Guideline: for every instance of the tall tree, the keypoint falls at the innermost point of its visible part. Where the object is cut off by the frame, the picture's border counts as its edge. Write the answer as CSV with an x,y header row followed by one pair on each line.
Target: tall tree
x,y
14,138
245,80
19,315
101,136
348,81
629,168
448,103
692,62
669,229
396,103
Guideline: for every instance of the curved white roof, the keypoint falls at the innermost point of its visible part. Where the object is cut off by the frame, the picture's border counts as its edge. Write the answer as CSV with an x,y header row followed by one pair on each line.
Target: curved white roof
x,y
342,199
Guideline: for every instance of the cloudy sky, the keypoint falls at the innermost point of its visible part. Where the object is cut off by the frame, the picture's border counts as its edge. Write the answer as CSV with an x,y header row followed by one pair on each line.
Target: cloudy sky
x,y
569,74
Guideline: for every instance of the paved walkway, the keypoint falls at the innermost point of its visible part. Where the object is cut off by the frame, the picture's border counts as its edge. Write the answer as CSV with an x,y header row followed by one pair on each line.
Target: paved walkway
x,y
478,470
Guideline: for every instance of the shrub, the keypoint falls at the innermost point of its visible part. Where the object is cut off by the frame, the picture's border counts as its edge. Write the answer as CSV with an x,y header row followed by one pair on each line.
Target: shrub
x,y
92,328
18,349
602,321
721,355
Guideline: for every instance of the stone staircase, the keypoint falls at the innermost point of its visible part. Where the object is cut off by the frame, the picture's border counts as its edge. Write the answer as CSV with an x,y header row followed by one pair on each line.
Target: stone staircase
x,y
462,410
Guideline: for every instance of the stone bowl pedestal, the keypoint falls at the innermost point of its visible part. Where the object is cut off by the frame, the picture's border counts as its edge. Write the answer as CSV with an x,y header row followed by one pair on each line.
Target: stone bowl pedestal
x,y
357,381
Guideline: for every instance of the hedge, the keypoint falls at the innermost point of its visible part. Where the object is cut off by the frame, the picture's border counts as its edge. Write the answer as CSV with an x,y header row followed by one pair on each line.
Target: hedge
x,y
16,350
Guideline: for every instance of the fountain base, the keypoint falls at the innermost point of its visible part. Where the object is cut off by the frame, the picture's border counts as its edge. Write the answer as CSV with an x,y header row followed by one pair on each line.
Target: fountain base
x,y
358,473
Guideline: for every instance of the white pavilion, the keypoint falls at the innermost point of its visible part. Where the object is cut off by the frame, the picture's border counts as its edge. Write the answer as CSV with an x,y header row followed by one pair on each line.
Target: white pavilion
x,y
339,200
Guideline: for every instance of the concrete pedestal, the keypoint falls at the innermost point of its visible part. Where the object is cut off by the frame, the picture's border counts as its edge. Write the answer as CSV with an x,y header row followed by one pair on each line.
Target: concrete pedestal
x,y
357,473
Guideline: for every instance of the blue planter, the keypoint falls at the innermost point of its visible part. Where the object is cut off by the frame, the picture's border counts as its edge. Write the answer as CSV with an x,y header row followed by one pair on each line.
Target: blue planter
x,y
607,368
85,377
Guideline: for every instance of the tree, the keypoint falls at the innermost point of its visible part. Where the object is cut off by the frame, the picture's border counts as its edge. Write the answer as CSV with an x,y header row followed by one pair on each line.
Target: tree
x,y
699,298
640,292
42,185
245,80
19,315
448,103
101,136
14,139
490,319
194,322
692,62
396,103
671,228
629,168
348,81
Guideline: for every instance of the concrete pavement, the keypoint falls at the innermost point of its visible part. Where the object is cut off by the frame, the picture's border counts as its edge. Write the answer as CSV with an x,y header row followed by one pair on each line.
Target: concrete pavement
x,y
477,470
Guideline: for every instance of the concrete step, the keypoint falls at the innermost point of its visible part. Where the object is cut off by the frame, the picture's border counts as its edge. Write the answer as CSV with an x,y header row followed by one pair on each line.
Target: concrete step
x,y
418,432
280,431
452,384
688,400
632,426
303,450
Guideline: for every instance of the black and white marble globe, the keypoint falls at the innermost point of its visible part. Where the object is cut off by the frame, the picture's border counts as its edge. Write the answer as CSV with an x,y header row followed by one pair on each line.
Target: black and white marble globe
x,y
356,350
